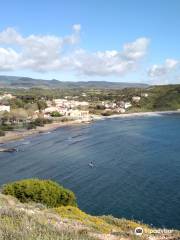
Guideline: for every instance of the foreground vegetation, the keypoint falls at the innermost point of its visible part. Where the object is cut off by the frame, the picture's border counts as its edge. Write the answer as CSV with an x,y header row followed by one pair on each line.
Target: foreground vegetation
x,y
47,192
34,221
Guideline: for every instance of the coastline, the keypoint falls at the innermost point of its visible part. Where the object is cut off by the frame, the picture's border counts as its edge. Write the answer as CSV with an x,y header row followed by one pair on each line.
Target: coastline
x,y
137,114
17,135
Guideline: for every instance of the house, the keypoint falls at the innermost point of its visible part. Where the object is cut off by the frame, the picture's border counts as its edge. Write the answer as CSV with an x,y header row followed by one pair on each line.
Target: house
x,y
64,103
4,108
120,110
7,96
144,94
51,109
110,105
136,99
77,113
127,105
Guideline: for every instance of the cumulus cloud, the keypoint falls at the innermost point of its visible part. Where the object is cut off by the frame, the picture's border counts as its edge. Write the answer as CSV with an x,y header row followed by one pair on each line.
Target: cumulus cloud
x,y
112,62
163,70
44,53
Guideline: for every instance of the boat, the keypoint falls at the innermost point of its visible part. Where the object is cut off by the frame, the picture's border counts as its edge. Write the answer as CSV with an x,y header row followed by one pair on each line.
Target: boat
x,y
91,164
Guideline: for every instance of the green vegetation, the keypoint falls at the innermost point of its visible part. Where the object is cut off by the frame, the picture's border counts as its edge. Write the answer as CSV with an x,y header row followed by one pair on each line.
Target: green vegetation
x,y
34,222
31,220
2,133
46,192
56,114
41,121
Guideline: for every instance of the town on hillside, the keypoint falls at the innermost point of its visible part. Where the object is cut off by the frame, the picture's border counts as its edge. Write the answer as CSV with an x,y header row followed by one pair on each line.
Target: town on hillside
x,y
29,108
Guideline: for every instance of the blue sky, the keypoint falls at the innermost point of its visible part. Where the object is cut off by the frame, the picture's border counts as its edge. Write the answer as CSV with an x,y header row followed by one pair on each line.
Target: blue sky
x,y
117,40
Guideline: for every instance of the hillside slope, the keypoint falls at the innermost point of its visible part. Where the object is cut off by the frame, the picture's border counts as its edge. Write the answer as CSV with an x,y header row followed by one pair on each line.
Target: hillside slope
x,y
25,82
35,222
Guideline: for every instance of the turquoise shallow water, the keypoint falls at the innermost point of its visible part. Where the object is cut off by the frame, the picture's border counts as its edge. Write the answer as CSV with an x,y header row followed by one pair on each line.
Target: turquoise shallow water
x,y
136,173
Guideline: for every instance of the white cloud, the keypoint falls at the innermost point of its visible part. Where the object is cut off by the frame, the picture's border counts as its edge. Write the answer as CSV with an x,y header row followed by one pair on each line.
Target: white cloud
x,y
10,36
8,59
112,62
43,53
163,70
77,27
136,49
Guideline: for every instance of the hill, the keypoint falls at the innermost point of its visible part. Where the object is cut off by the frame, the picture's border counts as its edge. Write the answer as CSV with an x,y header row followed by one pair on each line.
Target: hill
x,y
25,82
34,221
161,98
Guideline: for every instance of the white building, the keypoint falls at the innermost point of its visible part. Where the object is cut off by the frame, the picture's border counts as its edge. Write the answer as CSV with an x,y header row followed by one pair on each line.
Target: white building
x,y
136,99
7,96
121,110
77,113
110,105
127,105
64,103
51,109
144,94
4,108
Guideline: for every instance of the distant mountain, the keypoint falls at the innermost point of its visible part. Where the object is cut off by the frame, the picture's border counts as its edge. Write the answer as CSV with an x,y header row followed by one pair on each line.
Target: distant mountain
x,y
25,82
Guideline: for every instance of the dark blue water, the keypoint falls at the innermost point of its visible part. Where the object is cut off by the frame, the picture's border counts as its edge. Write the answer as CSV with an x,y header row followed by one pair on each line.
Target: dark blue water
x,y
136,173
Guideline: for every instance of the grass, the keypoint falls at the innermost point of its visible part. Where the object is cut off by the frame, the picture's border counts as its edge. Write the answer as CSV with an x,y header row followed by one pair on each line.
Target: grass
x,y
33,221
95,223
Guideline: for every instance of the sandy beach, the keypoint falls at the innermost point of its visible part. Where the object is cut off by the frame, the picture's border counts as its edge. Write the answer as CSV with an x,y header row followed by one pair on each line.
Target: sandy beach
x,y
158,113
16,135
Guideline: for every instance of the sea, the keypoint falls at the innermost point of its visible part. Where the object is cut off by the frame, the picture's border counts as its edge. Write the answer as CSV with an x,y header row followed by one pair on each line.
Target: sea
x,y
135,172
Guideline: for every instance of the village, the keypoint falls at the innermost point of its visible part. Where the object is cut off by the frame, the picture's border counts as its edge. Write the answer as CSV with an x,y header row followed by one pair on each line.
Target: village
x,y
62,108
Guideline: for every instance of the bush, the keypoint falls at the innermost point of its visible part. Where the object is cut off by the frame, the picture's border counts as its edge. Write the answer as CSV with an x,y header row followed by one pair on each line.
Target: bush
x,y
6,127
108,113
2,133
66,119
41,121
31,125
46,192
56,114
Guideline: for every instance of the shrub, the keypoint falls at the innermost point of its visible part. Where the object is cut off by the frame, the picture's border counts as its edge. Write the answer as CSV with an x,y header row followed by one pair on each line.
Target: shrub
x,y
41,121
2,133
6,127
46,192
31,125
56,114
108,113
66,119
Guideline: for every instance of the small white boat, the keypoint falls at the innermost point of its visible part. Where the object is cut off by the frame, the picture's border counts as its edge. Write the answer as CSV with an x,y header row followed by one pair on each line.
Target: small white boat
x,y
91,164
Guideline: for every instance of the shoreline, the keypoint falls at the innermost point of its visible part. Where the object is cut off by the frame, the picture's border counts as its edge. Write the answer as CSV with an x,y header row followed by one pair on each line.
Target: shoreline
x,y
136,114
18,135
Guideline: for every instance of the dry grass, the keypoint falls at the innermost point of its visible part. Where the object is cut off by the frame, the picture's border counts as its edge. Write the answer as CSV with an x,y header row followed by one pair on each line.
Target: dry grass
x,y
34,222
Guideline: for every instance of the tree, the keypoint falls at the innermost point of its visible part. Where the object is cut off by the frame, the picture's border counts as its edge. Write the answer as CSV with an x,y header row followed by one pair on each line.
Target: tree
x,y
41,105
16,103
5,117
18,114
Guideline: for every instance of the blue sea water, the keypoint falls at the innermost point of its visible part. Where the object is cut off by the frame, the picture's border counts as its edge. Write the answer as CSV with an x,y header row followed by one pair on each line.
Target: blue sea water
x,y
136,173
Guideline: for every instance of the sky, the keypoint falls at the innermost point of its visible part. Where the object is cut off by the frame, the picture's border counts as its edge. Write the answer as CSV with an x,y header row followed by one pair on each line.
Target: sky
x,y
91,40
